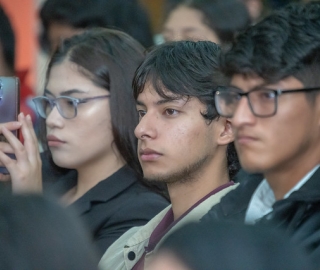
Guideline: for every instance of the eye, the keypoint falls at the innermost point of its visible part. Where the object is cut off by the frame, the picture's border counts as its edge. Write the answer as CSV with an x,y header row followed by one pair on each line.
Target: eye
x,y
141,113
171,112
266,95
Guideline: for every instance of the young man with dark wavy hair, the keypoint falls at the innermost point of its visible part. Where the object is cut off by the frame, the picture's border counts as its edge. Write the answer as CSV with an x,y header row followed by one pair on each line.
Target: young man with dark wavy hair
x,y
182,142
274,102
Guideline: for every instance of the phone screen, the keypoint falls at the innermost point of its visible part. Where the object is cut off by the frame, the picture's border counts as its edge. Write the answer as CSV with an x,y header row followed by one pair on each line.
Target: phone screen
x,y
9,105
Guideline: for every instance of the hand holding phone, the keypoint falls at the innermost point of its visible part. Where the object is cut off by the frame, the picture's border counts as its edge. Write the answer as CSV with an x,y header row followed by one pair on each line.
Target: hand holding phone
x,y
25,170
19,162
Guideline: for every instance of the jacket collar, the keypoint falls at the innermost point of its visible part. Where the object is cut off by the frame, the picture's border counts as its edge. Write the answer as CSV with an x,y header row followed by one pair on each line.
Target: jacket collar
x,y
237,201
106,189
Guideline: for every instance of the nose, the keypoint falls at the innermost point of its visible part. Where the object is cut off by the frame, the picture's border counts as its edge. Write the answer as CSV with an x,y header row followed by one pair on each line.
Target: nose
x,y
146,128
243,114
54,119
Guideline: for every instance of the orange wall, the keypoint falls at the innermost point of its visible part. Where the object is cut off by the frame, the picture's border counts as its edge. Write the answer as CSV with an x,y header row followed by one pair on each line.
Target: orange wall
x,y
155,10
22,14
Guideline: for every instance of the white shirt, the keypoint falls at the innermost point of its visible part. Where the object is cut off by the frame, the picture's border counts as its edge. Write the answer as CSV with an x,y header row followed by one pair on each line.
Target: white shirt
x,y
263,198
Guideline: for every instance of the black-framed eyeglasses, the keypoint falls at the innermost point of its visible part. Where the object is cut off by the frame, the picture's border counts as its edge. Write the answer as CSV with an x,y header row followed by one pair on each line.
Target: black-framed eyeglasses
x,y
263,102
67,106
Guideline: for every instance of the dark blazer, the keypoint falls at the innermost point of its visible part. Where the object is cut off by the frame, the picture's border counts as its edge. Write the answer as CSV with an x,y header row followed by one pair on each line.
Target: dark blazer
x,y
114,205
298,215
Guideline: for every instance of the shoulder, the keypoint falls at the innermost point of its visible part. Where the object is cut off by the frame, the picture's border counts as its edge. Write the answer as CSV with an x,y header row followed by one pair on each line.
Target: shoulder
x,y
140,202
114,258
128,249
234,204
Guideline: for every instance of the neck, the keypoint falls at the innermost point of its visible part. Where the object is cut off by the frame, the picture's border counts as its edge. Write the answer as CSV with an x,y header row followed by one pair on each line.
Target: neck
x,y
283,179
184,195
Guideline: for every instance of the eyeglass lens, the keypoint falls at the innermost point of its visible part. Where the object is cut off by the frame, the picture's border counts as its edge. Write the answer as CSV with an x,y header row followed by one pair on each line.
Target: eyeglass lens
x,y
262,102
65,106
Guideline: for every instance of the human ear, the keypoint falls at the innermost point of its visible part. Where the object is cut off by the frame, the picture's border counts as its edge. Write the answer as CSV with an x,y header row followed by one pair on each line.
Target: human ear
x,y
226,135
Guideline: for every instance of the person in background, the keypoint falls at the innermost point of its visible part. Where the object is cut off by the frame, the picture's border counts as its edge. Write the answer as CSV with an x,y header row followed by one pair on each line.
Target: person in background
x,y
225,246
214,20
63,18
37,233
273,101
182,142
7,64
88,118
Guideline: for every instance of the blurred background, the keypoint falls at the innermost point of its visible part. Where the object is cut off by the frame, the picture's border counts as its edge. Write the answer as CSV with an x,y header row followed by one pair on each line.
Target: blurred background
x,y
31,55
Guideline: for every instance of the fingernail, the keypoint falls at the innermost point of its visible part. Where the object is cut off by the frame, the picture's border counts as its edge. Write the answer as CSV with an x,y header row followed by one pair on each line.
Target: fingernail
x,y
17,124
29,117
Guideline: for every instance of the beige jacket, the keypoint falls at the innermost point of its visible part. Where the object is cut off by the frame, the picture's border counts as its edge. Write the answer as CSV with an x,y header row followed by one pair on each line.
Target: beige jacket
x,y
128,249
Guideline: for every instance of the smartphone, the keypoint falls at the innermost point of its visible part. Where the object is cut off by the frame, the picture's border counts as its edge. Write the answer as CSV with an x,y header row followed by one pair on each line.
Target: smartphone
x,y
9,106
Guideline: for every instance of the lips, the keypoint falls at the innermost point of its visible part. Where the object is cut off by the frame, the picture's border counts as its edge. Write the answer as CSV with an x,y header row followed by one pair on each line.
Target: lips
x,y
148,154
245,139
54,141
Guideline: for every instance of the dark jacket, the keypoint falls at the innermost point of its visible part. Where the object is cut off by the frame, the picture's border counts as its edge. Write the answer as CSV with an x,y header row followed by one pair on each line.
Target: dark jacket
x,y
298,215
114,205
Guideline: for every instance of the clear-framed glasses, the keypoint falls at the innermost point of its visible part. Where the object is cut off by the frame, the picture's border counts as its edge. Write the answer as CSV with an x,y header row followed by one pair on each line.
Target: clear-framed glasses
x,y
263,102
67,106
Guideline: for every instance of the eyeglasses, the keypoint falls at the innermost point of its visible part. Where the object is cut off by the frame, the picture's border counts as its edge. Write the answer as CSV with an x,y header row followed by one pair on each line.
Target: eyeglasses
x,y
67,106
263,102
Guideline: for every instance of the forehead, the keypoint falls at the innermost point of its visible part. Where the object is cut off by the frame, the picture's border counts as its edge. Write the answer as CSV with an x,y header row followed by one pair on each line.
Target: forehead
x,y
249,82
150,94
184,17
67,75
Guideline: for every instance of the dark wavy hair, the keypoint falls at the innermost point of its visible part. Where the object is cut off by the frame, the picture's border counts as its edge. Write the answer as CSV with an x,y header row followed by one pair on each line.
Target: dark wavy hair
x,y
37,233
231,245
108,58
186,69
124,15
286,43
226,18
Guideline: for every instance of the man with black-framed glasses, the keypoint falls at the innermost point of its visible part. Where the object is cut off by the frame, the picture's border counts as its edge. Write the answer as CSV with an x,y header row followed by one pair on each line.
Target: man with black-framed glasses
x,y
273,102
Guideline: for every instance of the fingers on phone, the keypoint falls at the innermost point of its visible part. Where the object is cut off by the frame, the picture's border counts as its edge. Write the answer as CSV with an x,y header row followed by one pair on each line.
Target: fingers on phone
x,y
30,139
11,125
6,148
6,161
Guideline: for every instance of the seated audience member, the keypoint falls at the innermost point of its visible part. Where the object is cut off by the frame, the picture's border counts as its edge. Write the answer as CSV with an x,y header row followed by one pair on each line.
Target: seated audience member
x,y
182,141
88,117
274,102
226,246
63,18
214,20
7,63
36,233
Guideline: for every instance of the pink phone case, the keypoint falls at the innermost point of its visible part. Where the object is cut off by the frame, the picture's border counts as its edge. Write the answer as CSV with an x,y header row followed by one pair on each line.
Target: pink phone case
x,y
9,105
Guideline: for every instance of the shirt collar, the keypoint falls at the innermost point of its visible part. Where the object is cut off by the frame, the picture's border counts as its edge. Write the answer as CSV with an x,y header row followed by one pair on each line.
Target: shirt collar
x,y
263,198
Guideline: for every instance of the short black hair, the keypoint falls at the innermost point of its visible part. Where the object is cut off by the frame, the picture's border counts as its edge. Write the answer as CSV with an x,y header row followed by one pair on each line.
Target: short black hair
x,y
124,15
185,69
286,43
7,39
234,245
38,233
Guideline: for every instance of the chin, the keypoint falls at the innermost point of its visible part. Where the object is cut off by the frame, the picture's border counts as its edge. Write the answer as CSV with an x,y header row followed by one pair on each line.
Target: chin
x,y
252,167
62,164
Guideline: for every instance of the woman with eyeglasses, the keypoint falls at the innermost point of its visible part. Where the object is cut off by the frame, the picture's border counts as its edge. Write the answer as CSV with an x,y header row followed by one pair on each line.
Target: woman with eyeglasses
x,y
88,116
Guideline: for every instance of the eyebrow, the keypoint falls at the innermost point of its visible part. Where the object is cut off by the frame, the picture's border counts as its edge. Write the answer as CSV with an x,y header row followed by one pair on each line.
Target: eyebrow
x,y
159,102
66,93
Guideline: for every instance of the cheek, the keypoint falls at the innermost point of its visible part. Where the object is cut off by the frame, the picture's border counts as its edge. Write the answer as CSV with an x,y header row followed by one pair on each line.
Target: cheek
x,y
189,134
95,123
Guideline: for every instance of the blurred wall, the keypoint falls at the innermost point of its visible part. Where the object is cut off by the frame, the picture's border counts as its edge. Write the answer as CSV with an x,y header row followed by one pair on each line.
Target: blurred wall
x,y
22,14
